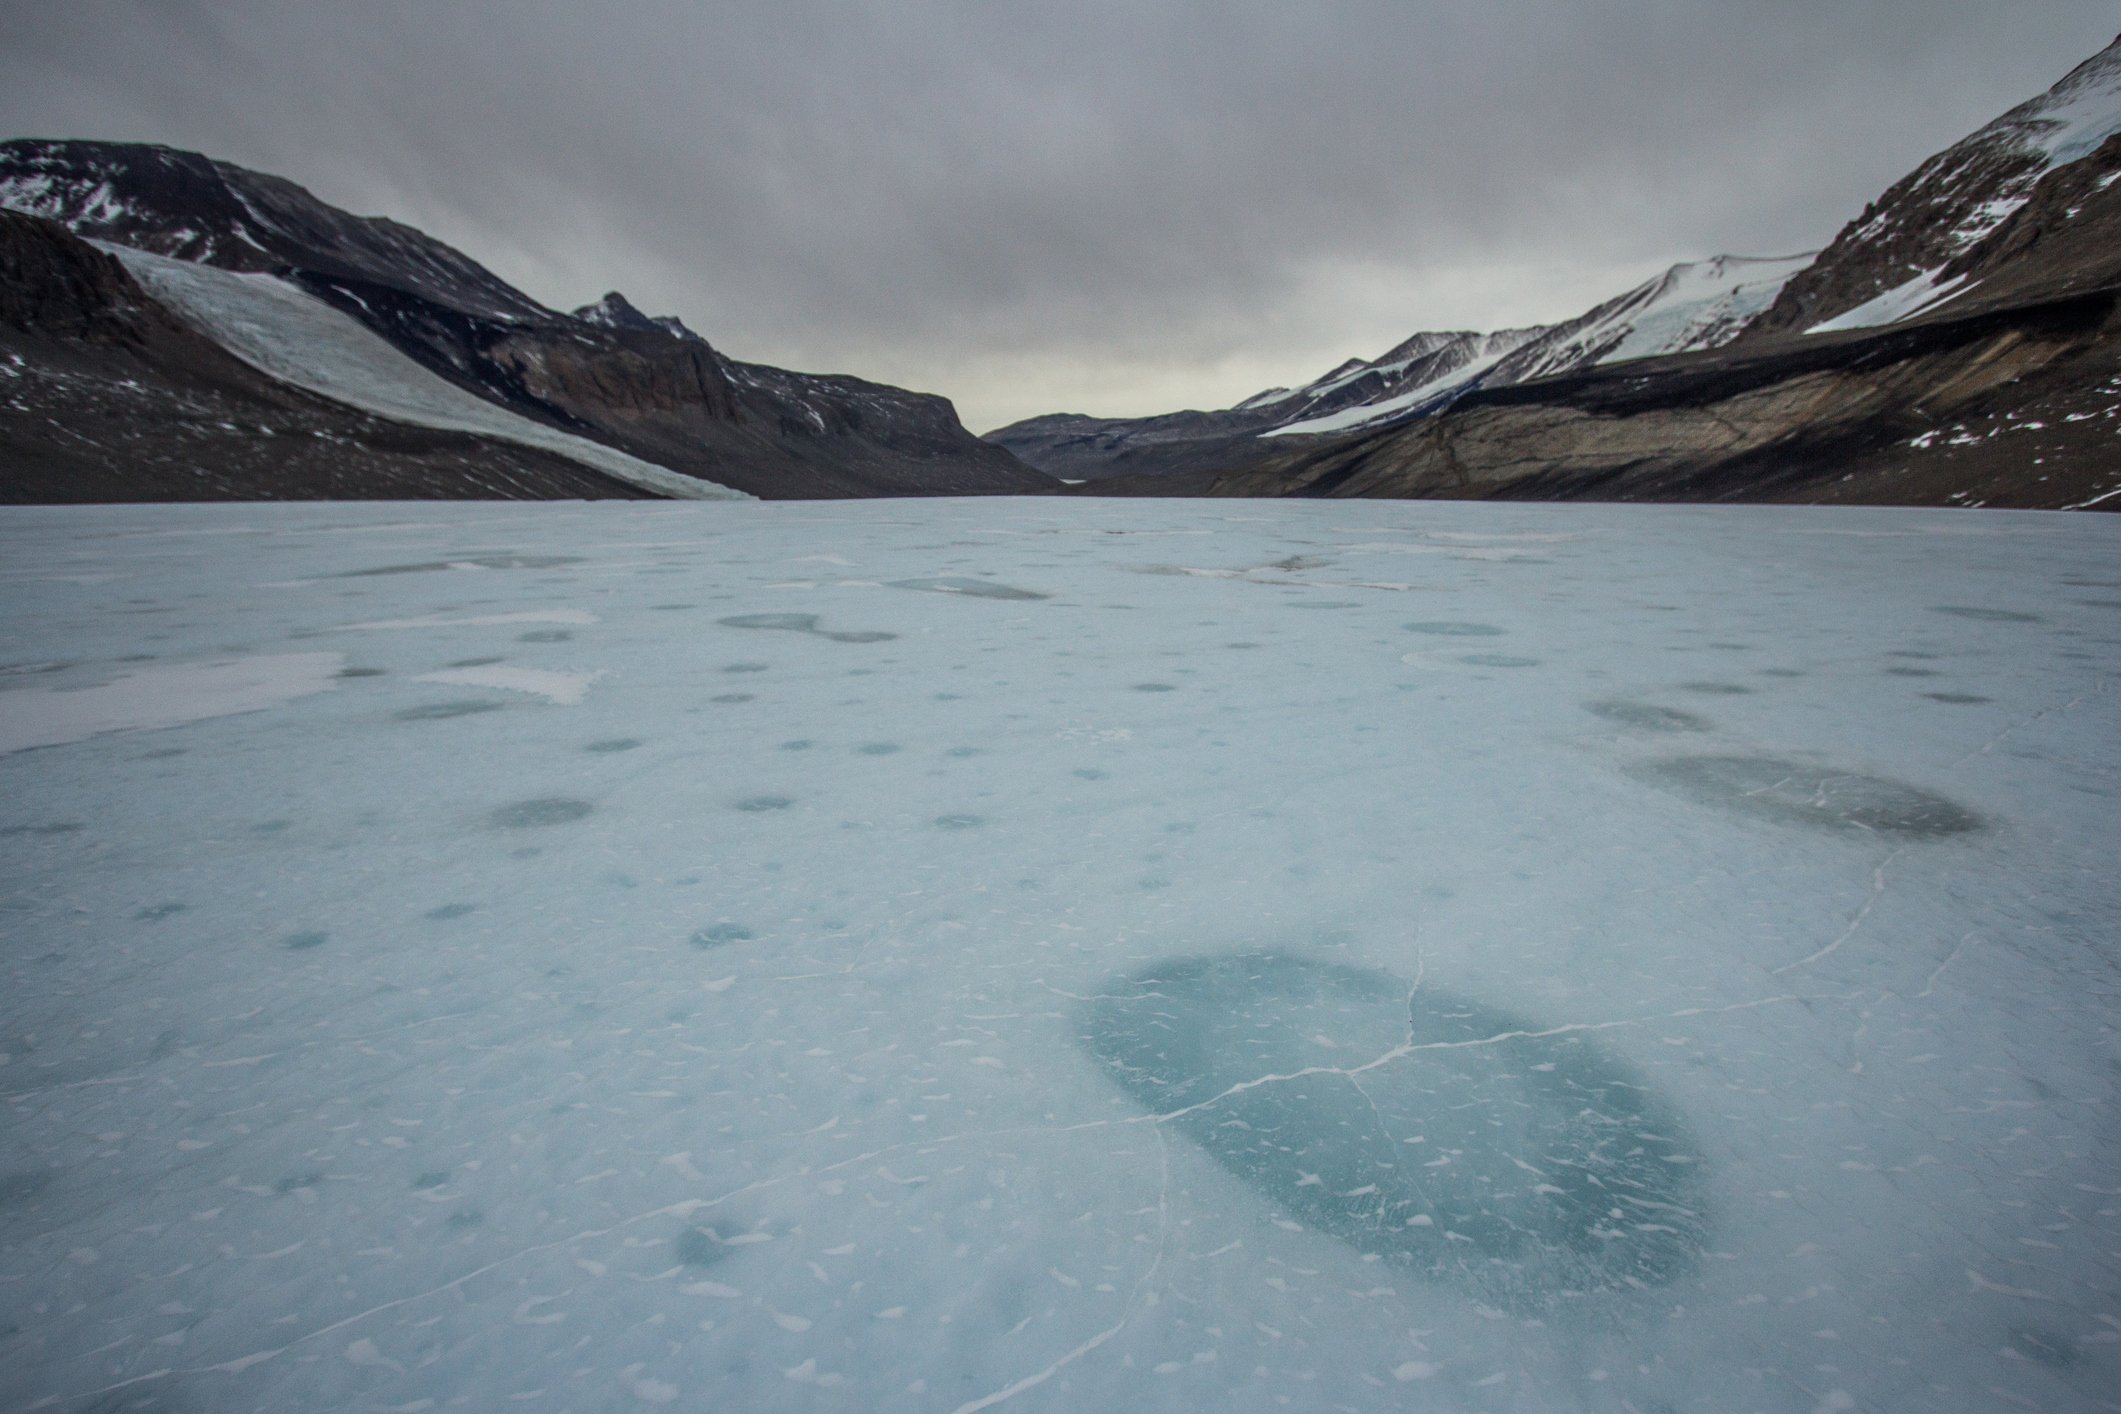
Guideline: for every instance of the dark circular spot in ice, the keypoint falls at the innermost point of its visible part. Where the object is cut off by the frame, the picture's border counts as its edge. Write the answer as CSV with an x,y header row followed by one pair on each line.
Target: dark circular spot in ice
x,y
547,810
1154,687
1795,793
2048,1347
959,822
22,1185
474,662
803,623
971,588
1716,689
484,562
759,804
879,748
1900,672
302,942
1965,699
720,933
1469,1148
2000,616
731,698
450,910
1450,629
443,711
545,635
1647,717
360,672
794,623
618,743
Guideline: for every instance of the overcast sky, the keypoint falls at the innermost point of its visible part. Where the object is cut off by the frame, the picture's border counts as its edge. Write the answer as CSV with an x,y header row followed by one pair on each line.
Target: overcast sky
x,y
1107,206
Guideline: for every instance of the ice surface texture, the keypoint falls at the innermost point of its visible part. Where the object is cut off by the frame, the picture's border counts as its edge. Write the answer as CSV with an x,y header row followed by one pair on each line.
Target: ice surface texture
x,y
1058,955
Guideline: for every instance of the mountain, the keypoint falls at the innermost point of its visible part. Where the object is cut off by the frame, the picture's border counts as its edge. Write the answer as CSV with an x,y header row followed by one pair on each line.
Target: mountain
x,y
2007,394
1691,306
107,395
1891,261
1957,344
649,388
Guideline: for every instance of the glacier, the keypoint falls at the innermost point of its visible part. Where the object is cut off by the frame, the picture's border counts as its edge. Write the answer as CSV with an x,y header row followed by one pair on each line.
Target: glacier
x,y
1039,954
291,335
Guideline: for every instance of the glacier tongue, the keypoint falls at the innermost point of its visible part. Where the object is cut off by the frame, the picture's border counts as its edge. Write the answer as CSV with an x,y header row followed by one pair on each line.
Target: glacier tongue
x,y
1060,955
299,339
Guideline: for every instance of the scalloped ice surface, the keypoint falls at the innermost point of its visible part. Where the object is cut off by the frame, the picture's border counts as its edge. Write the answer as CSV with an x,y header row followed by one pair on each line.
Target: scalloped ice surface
x,y
1112,975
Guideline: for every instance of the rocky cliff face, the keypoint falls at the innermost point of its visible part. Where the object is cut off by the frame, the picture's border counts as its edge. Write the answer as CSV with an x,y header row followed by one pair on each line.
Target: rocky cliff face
x,y
649,387
107,396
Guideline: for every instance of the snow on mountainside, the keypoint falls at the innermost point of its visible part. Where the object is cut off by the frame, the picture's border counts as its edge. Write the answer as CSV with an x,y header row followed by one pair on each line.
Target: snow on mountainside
x,y
1692,306
1885,265
298,339
192,207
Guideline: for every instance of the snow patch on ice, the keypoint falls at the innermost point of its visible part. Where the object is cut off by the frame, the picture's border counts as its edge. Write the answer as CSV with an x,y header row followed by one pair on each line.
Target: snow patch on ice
x,y
152,698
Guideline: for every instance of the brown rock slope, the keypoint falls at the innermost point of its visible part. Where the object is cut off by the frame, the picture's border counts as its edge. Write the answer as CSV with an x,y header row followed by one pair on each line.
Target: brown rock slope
x,y
2008,395
106,396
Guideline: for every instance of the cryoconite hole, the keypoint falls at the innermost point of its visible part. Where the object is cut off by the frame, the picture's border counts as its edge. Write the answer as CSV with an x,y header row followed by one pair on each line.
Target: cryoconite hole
x,y
1647,717
547,810
1561,1173
443,711
1450,629
1998,616
1795,793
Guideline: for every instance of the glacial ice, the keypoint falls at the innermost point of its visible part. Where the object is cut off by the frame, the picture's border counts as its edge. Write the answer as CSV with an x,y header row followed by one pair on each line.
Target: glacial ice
x,y
1188,955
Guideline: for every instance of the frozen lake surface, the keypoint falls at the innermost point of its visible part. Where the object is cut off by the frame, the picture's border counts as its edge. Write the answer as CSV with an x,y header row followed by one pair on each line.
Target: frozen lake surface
x,y
1059,955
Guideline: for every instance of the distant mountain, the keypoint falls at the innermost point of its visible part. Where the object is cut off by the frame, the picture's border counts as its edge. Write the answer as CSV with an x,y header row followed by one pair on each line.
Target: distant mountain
x,y
649,388
1689,307
1999,384
1958,344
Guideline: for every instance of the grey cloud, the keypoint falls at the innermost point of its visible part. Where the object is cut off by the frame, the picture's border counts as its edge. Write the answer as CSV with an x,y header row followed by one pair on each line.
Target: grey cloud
x,y
1004,202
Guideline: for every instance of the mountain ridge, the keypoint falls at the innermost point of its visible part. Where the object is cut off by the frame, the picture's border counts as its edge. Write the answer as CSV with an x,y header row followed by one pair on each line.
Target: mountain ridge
x,y
662,394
